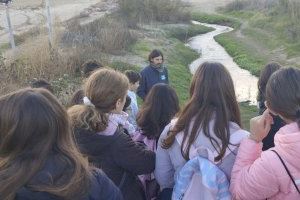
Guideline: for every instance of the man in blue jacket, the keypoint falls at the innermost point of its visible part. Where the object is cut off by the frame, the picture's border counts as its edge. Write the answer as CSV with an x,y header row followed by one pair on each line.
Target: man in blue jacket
x,y
154,73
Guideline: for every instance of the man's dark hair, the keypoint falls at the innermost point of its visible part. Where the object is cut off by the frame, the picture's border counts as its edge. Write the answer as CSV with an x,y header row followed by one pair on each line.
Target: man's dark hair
x,y
155,53
132,76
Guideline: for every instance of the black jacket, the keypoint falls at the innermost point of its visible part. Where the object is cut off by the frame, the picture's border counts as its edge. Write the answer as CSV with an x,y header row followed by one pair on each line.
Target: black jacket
x,y
150,77
119,157
101,188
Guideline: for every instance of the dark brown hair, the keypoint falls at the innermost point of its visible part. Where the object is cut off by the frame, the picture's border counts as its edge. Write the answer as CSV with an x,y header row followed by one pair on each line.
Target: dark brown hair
x,y
265,74
159,107
103,88
127,103
212,96
34,126
155,53
283,93
132,76
90,66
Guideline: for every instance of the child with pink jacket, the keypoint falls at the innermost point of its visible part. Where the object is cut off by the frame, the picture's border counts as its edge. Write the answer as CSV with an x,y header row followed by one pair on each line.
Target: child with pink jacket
x,y
275,173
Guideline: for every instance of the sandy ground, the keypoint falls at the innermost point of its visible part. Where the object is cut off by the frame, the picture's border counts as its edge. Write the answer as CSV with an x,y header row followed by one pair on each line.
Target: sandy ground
x,y
26,14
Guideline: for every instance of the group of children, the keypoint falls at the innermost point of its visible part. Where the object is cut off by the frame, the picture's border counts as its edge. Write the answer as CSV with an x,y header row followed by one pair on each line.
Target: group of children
x,y
101,148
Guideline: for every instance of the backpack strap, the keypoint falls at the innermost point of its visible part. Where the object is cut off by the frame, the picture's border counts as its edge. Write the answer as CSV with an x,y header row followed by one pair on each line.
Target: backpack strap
x,y
287,170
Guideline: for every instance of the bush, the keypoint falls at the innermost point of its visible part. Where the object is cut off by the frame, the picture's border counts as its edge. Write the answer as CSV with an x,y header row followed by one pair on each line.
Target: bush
x,y
216,19
184,32
250,5
154,10
35,60
69,50
122,66
284,14
108,34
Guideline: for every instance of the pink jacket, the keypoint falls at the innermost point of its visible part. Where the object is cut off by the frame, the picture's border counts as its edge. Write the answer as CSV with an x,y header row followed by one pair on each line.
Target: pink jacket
x,y
261,175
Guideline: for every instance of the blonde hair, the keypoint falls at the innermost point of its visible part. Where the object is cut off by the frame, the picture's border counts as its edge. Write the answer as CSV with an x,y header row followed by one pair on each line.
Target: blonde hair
x,y
103,88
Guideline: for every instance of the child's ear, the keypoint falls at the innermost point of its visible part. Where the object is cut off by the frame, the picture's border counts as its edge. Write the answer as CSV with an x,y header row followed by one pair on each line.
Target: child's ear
x,y
118,103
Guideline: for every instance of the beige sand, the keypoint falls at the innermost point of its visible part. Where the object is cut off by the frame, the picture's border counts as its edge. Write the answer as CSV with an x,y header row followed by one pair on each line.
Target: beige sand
x,y
26,14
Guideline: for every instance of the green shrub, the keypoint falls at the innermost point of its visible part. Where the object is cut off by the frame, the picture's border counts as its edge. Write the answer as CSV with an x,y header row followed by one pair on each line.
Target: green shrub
x,y
216,19
244,57
122,66
185,32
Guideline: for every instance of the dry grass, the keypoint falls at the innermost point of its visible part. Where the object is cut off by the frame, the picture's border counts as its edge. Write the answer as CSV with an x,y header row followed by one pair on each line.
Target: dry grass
x,y
109,34
76,44
35,59
289,7
251,4
137,11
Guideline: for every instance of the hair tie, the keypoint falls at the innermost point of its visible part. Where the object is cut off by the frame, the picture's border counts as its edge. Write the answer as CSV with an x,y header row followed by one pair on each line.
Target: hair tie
x,y
87,102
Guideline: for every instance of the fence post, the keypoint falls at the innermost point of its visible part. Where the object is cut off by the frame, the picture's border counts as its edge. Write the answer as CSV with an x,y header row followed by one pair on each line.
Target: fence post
x,y
49,22
10,29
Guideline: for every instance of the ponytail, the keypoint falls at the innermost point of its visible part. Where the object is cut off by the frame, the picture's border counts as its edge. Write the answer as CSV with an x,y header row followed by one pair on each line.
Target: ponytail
x,y
88,117
102,90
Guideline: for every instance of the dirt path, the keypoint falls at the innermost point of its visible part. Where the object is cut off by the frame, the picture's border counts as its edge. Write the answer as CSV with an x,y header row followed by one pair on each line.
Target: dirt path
x,y
27,14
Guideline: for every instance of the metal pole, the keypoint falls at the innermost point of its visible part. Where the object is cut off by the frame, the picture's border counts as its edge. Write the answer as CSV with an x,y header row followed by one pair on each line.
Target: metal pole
x,y
10,30
49,22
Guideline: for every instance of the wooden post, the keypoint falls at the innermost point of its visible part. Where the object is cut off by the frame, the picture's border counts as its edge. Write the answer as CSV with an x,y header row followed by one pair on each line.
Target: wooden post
x,y
10,30
49,22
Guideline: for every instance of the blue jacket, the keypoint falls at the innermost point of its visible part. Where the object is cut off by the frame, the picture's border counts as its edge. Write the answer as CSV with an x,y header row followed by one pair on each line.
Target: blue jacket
x,y
151,76
101,187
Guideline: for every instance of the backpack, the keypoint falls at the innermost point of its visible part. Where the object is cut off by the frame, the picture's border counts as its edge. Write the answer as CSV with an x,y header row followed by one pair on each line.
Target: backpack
x,y
149,182
200,179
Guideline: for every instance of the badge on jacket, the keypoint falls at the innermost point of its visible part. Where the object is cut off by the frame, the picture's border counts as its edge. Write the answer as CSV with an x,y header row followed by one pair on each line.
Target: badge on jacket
x,y
163,77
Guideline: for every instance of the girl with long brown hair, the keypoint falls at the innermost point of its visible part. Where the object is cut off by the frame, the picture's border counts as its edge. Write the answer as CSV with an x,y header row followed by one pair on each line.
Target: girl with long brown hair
x,y
38,157
98,125
274,173
210,122
158,109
